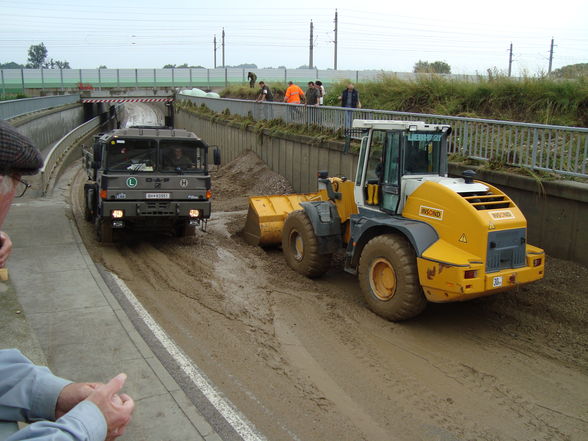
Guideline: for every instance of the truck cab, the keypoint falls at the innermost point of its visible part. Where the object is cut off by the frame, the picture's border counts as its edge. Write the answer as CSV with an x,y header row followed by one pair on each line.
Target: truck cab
x,y
148,179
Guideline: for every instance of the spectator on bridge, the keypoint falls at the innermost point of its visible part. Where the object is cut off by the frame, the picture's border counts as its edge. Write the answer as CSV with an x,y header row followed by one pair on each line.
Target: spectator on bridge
x,y
312,95
60,409
265,94
294,94
350,98
321,89
252,79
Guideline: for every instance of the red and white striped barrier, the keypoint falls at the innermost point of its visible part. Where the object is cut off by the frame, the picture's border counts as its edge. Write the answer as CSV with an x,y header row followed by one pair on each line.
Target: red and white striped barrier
x,y
126,100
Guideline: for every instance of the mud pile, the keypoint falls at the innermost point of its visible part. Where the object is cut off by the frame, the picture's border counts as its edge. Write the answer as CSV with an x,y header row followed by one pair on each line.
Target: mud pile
x,y
247,175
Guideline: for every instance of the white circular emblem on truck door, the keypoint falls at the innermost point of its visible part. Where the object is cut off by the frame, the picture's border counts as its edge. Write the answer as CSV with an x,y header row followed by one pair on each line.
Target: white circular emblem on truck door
x,y
132,182
183,183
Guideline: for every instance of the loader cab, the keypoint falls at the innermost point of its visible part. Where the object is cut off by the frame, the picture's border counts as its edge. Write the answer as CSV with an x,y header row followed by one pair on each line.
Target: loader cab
x,y
394,156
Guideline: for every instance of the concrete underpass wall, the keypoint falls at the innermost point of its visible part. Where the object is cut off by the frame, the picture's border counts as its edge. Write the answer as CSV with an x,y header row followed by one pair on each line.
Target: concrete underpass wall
x,y
49,126
294,157
556,212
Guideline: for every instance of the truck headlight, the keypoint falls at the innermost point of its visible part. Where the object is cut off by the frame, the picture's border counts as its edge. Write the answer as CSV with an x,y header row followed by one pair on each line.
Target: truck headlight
x,y
194,213
117,214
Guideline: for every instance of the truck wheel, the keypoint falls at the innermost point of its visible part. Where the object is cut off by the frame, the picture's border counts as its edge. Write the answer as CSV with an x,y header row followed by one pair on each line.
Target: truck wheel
x,y
103,230
185,230
300,246
389,278
88,198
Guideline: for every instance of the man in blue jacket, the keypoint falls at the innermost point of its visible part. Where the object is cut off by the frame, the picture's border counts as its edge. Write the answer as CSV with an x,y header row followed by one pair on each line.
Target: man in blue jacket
x,y
57,408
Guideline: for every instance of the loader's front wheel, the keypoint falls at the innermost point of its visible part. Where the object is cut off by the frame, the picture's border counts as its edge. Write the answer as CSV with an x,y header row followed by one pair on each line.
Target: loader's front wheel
x,y
300,246
389,278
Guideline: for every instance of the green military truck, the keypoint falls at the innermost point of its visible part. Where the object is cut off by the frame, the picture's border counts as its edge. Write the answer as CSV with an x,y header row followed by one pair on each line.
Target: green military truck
x,y
148,179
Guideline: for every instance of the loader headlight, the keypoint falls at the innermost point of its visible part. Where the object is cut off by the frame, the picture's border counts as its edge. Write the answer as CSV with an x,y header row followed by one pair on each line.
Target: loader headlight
x,y
537,262
117,214
194,213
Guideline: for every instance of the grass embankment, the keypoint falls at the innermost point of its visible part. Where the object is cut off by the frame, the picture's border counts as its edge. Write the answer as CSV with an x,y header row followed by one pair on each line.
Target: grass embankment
x,y
274,126
528,99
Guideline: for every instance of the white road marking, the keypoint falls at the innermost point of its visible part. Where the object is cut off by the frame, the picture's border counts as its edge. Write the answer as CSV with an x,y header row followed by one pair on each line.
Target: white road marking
x,y
237,421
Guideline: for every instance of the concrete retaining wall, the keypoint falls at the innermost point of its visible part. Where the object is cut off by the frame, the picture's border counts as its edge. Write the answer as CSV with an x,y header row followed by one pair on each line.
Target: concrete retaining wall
x,y
49,126
557,212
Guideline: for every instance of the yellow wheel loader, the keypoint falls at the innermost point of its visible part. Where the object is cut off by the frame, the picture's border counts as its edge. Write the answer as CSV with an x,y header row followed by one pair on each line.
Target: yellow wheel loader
x,y
411,233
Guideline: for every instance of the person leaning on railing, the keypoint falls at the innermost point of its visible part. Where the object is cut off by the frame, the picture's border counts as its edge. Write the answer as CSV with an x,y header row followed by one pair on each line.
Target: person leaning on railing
x,y
58,409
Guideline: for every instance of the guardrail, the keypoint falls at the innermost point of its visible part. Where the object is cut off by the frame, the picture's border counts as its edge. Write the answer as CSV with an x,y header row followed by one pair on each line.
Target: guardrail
x,y
62,149
12,108
12,80
558,149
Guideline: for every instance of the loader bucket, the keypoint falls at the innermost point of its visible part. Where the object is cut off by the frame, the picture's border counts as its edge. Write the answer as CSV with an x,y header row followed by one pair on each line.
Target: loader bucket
x,y
266,216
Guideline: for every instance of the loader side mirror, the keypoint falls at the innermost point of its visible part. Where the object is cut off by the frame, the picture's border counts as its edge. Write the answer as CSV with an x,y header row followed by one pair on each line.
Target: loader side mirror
x,y
216,156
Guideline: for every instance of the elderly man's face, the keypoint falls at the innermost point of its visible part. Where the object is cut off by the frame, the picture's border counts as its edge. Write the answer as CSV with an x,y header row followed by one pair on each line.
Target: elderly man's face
x,y
7,190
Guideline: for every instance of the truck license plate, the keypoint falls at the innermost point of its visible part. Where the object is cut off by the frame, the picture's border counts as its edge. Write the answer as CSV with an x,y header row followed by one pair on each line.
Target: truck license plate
x,y
157,196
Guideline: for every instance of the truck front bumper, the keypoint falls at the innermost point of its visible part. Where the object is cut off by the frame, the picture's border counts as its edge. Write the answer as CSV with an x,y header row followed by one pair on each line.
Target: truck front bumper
x,y
157,208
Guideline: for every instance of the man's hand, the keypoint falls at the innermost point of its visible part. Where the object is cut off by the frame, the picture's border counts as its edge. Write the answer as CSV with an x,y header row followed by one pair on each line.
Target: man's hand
x,y
117,409
5,248
71,395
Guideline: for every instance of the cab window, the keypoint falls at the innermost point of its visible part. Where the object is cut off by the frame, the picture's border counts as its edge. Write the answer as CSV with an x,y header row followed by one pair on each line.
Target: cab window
x,y
182,155
421,153
138,155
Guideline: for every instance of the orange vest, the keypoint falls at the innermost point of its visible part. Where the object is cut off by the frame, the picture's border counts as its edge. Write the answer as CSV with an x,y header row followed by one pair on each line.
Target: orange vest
x,y
293,94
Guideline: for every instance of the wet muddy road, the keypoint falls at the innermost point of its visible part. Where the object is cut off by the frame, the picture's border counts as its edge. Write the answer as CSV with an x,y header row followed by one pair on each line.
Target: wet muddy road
x,y
306,360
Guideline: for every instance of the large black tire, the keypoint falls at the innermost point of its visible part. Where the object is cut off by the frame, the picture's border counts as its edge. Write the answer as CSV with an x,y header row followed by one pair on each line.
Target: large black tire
x,y
389,279
300,246
103,230
88,203
185,230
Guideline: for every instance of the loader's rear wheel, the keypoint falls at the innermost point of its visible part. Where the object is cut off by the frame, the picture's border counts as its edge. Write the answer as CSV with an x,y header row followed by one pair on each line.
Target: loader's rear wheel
x,y
389,279
300,246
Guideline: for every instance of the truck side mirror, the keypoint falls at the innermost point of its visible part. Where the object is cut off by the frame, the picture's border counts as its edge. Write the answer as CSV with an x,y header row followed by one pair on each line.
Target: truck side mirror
x,y
216,156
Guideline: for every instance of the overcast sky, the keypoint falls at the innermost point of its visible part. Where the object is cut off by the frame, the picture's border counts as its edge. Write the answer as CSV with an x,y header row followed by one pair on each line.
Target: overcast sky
x,y
470,36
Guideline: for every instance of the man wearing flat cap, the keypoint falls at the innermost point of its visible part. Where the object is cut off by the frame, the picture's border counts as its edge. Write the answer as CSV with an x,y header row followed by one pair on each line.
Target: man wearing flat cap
x,y
18,157
59,409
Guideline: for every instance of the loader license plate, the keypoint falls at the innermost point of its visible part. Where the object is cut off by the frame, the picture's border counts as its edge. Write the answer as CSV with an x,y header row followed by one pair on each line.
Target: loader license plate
x,y
157,196
497,281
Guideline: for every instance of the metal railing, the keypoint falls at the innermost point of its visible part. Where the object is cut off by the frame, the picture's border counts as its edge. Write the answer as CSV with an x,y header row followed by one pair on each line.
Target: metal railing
x,y
61,149
14,80
558,149
13,108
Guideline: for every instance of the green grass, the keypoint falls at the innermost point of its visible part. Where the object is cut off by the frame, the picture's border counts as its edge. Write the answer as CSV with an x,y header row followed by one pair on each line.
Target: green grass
x,y
529,99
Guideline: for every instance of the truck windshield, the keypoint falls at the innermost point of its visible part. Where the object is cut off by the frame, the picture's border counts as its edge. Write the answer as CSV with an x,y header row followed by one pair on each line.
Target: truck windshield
x,y
139,155
422,152
182,155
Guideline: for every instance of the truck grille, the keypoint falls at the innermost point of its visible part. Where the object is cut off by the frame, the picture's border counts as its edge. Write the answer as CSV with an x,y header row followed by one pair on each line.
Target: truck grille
x,y
157,208
506,249
488,200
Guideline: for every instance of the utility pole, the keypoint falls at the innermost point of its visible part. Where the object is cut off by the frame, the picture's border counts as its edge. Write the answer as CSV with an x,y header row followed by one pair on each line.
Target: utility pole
x,y
510,61
550,57
214,45
311,47
223,43
336,20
